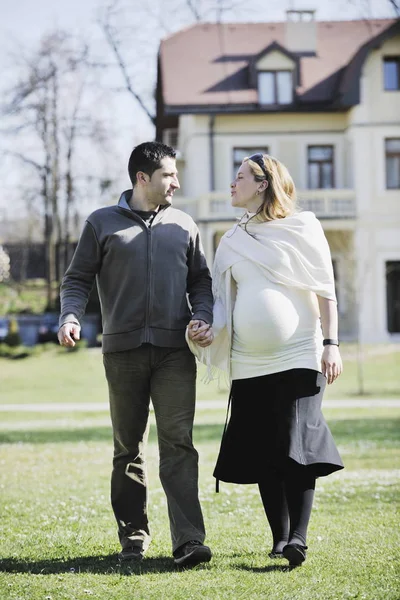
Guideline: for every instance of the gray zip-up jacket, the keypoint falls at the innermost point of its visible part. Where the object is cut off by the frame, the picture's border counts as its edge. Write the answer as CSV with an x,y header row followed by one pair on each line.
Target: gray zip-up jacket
x,y
145,276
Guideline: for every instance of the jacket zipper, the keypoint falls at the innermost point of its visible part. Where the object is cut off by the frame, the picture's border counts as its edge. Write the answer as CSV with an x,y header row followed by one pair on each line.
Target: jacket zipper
x,y
149,265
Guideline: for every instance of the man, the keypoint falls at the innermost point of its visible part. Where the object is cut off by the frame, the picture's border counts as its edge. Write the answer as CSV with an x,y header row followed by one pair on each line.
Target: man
x,y
147,259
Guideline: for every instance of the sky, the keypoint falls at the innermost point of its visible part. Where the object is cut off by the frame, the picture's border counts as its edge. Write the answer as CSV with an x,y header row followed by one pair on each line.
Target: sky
x,y
28,19
24,22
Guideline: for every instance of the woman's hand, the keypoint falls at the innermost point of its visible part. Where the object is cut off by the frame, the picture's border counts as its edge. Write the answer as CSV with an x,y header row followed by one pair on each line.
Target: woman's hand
x,y
200,332
331,363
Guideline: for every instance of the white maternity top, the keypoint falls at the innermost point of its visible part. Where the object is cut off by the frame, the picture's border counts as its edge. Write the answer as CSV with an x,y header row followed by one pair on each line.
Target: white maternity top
x,y
275,327
266,279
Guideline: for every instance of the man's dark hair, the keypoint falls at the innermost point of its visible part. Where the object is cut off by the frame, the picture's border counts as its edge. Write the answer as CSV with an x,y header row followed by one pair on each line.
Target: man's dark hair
x,y
147,157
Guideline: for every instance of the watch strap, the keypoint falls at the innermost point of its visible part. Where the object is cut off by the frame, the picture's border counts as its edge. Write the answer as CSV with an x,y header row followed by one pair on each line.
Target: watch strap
x,y
330,342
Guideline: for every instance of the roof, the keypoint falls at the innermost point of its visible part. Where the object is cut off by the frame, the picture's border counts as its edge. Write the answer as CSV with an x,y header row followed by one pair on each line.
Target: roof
x,y
207,66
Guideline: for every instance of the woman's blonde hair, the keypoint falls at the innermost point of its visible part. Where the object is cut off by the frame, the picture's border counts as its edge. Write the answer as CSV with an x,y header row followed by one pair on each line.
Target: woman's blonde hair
x,y
280,195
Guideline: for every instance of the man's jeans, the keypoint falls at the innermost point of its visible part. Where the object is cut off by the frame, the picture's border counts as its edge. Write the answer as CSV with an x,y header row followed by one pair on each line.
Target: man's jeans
x,y
168,376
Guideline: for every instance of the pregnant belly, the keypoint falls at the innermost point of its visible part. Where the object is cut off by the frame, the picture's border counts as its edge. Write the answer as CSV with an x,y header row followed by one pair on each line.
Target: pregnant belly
x,y
264,319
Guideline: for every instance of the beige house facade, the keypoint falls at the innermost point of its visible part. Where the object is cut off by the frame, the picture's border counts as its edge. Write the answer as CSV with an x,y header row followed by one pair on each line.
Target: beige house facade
x,y
343,154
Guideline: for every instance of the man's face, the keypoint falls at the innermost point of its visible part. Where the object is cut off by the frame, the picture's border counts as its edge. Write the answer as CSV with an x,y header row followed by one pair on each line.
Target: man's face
x,y
163,183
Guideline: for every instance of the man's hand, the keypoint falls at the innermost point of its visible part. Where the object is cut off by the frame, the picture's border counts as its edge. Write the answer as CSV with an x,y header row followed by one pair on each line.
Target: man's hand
x,y
200,332
331,363
68,333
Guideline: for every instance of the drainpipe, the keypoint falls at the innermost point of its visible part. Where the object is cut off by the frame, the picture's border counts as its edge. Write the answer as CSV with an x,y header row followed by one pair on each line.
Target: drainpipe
x,y
211,142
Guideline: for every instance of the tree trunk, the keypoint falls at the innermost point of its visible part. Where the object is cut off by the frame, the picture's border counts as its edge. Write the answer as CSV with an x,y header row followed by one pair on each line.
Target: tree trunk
x,y
55,234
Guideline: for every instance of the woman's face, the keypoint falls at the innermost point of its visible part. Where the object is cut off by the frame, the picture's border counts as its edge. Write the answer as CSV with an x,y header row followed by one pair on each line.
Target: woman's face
x,y
244,189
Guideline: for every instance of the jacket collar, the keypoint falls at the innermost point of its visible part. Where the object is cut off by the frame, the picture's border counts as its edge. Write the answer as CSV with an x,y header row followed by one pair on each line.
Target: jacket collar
x,y
124,203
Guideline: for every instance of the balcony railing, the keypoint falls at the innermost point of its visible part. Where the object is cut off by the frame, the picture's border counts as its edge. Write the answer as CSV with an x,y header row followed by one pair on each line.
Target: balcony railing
x,y
326,204
329,204
217,205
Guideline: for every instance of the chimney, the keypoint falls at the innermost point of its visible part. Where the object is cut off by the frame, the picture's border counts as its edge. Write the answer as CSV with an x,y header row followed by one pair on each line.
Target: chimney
x,y
301,31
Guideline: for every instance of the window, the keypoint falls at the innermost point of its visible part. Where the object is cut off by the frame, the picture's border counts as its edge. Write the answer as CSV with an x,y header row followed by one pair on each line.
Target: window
x,y
337,280
240,153
391,73
393,296
339,288
275,87
320,167
300,15
335,275
392,151
170,137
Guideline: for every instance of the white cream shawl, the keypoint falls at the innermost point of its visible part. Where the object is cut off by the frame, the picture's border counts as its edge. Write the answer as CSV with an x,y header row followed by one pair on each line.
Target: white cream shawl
x,y
292,251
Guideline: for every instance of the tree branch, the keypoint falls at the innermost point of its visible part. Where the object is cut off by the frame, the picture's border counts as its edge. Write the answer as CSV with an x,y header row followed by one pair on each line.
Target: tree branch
x,y
192,5
115,48
29,161
396,6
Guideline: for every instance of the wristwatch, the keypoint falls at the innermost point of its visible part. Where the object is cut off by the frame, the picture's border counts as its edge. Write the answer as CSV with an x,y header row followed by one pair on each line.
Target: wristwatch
x,y
330,342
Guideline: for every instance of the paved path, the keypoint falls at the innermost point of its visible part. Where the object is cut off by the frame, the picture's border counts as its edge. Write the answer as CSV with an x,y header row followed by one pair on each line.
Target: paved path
x,y
68,407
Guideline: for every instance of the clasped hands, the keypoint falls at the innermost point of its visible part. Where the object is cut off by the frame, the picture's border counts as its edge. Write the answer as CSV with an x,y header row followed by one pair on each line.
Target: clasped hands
x,y
200,332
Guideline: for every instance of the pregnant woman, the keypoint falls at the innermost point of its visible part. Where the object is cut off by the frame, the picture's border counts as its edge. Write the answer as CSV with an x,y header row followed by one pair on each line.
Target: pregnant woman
x,y
276,335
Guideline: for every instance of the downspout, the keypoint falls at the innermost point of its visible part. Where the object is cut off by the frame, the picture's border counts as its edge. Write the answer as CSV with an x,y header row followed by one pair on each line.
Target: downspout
x,y
212,153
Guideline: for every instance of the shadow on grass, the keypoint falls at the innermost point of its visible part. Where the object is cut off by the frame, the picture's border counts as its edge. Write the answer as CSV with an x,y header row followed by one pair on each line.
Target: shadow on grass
x,y
345,432
267,569
108,565
202,433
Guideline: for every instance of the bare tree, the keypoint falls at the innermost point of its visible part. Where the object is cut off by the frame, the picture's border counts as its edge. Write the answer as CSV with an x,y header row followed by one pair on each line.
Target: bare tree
x,y
134,36
396,7
114,42
70,133
47,106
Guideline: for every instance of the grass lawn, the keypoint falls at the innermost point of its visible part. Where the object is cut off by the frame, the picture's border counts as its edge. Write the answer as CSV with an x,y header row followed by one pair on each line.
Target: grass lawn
x,y
58,538
57,375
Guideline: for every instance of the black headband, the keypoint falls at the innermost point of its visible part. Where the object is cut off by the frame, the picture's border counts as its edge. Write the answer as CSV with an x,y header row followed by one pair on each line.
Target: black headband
x,y
259,159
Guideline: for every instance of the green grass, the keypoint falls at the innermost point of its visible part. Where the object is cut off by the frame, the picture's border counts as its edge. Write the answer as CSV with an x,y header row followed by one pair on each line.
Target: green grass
x,y
56,375
58,538
61,376
381,367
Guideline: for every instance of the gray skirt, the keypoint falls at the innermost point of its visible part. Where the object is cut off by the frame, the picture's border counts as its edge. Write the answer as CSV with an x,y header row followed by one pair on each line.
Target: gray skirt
x,y
275,419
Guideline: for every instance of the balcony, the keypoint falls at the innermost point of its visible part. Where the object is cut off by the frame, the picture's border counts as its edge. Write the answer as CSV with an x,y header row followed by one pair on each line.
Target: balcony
x,y
329,204
326,204
216,206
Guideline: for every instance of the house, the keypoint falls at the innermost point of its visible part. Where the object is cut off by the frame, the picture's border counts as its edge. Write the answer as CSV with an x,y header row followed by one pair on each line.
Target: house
x,y
324,98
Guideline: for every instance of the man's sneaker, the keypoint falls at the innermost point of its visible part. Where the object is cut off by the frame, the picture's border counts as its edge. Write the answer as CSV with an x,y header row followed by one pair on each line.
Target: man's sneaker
x,y
133,553
191,554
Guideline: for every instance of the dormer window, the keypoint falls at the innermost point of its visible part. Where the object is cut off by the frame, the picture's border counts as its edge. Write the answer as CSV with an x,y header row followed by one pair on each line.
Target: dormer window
x,y
275,87
275,73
